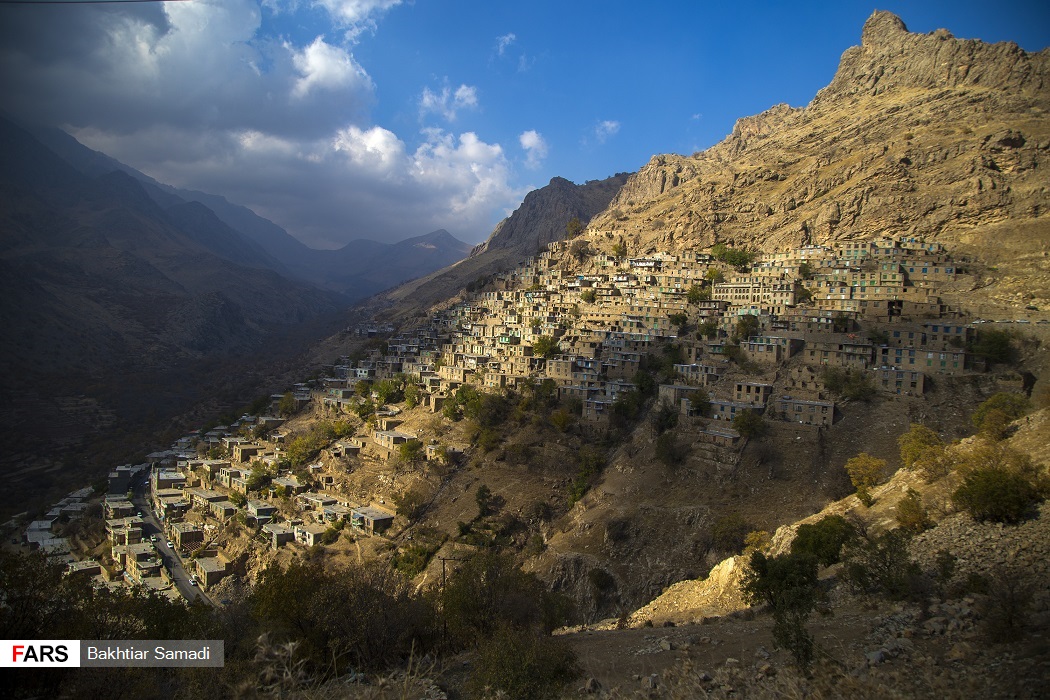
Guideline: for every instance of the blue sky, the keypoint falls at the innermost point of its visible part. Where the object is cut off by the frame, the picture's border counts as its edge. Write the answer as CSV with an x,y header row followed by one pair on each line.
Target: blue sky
x,y
384,119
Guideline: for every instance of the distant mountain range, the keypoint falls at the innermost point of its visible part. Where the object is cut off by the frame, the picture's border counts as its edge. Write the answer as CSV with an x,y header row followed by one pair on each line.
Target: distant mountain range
x,y
357,270
124,302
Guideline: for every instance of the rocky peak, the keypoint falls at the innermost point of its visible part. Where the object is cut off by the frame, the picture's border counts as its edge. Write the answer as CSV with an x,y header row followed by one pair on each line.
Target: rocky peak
x,y
882,28
890,57
917,134
542,216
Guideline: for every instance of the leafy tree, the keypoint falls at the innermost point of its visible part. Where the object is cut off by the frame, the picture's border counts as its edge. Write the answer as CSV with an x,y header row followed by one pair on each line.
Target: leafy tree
x,y
588,296
882,565
749,424
561,420
410,451
707,329
259,477
645,383
287,405
524,664
678,320
729,532
669,450
574,227
998,494
865,471
484,499
995,346
714,276
824,539
933,463
915,442
747,326
697,293
849,383
805,271
620,249
665,417
361,617
545,346
994,415
580,249
412,395
788,585
388,391
740,259
911,513
489,592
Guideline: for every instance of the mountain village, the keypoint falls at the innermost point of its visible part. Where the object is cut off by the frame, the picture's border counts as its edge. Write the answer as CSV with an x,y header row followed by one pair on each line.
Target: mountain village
x,y
754,339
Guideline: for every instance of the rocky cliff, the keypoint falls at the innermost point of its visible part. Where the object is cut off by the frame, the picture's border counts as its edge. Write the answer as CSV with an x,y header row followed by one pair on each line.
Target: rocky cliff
x,y
542,216
917,134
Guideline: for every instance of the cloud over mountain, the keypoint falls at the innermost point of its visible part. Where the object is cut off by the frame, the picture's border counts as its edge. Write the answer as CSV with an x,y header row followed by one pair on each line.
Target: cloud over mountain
x,y
207,95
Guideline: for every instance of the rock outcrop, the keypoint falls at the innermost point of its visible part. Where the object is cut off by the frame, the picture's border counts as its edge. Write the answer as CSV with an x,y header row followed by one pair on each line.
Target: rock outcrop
x,y
917,134
542,216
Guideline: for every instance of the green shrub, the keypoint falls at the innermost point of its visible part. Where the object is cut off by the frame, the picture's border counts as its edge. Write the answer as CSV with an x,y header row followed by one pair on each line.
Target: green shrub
x,y
882,565
522,664
993,415
669,450
914,443
749,424
997,494
412,560
824,539
865,471
911,513
1005,608
489,592
788,585
728,533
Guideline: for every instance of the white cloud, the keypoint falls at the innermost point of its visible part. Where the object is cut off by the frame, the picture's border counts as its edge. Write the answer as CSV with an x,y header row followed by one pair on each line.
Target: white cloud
x,y
502,42
447,102
535,148
358,16
326,67
605,129
357,183
375,149
196,95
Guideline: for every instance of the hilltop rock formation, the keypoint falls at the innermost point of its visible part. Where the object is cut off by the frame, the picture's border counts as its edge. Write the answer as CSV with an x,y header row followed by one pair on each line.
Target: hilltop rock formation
x,y
542,216
540,220
917,134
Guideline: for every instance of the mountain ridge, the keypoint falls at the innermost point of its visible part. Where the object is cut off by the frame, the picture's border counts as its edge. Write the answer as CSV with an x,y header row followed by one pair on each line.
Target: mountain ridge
x,y
896,144
357,270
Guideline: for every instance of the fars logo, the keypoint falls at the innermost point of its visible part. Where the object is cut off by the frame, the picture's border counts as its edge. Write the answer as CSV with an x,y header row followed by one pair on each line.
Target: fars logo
x,y
39,653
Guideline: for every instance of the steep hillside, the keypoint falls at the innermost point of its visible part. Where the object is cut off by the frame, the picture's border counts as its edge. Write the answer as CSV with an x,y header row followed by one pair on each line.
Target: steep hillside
x,y
542,216
923,135
116,313
541,219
